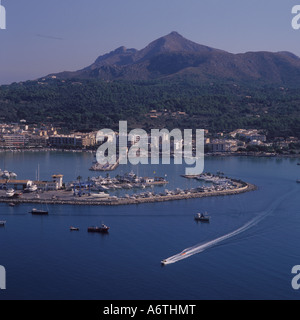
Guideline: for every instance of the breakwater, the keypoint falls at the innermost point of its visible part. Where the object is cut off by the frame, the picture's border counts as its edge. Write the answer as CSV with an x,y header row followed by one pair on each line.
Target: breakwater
x,y
69,199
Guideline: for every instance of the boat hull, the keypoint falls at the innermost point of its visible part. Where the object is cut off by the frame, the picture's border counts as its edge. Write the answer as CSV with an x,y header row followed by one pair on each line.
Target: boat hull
x,y
39,212
98,230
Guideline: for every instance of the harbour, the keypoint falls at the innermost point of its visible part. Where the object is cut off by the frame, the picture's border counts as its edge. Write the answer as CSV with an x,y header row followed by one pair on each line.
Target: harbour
x,y
143,234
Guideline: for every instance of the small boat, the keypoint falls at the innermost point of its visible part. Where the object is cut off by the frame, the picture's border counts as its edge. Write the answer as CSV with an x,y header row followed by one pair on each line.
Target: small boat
x,y
39,212
102,229
202,217
12,204
74,229
298,181
2,223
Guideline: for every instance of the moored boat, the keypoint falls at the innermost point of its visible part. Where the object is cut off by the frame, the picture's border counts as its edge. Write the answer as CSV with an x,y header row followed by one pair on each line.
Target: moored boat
x,y
202,217
10,193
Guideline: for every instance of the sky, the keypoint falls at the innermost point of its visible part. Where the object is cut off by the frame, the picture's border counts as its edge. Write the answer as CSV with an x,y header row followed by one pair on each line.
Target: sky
x,y
44,36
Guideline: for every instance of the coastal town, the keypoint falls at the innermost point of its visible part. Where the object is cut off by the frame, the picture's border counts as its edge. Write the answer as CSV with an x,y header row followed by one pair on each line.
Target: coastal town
x,y
24,136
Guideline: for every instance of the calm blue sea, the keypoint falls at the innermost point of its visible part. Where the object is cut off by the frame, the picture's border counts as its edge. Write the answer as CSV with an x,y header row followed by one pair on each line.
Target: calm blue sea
x,y
44,260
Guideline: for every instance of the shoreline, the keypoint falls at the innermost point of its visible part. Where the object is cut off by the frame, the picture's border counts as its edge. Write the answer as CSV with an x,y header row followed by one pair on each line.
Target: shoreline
x,y
246,187
223,154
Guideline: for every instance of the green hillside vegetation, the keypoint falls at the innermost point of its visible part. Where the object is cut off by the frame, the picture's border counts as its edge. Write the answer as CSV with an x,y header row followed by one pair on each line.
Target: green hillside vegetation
x,y
94,104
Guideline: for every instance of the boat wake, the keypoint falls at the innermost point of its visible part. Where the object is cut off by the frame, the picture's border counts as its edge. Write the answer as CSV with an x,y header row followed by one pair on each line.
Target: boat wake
x,y
204,246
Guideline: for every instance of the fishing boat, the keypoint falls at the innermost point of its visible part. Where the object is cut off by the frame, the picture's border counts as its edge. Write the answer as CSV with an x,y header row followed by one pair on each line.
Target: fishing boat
x,y
38,212
2,223
103,229
74,229
202,217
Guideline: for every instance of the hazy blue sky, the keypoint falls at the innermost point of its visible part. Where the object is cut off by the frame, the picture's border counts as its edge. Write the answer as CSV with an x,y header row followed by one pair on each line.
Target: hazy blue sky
x,y
46,36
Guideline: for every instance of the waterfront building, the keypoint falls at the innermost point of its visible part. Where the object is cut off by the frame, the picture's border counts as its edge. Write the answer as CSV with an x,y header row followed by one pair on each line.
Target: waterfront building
x,y
221,145
73,140
15,140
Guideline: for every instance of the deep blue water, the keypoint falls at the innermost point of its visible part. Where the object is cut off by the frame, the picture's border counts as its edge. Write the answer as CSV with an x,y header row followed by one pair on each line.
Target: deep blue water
x,y
44,260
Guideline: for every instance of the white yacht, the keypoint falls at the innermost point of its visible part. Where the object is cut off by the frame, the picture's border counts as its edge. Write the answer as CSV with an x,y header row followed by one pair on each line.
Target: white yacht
x,y
32,188
12,175
10,193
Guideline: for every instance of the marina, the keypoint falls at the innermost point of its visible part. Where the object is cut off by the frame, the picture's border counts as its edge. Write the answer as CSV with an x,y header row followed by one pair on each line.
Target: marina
x,y
64,197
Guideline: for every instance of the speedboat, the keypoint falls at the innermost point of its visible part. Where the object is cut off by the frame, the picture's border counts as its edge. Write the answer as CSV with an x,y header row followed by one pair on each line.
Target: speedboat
x,y
164,262
102,229
74,229
202,217
2,223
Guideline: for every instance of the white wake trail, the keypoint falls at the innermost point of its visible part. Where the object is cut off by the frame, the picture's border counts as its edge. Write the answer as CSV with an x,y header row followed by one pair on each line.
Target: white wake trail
x,y
202,247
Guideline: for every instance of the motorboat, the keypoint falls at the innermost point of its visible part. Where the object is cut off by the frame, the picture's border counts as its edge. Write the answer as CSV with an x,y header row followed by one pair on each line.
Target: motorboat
x,y
39,212
12,204
12,175
10,193
103,229
164,262
74,229
33,188
2,223
202,217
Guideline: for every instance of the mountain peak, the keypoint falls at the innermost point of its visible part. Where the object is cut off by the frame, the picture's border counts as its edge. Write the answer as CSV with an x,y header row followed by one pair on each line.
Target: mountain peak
x,y
174,34
173,55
